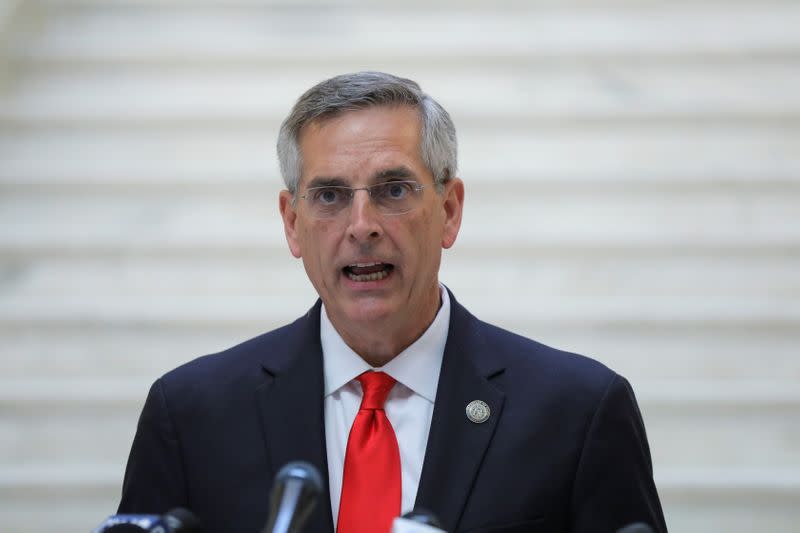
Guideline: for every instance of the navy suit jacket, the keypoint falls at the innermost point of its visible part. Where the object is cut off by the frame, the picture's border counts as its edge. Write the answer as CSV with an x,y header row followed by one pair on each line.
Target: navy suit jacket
x,y
564,448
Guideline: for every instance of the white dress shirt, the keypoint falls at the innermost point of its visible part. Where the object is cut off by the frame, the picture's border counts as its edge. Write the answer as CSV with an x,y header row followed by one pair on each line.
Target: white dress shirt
x,y
409,406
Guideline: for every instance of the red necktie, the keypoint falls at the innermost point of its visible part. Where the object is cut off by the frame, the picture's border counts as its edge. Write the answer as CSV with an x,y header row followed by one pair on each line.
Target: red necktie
x,y
371,481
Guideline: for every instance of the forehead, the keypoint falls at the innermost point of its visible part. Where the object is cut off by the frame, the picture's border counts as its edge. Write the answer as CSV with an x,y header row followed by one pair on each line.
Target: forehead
x,y
362,141
370,118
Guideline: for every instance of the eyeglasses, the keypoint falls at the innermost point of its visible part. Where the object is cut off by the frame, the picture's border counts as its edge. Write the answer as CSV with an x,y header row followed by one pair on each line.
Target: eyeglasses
x,y
389,198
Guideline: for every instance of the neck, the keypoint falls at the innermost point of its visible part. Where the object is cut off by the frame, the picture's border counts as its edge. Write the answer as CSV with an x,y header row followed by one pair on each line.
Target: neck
x,y
379,343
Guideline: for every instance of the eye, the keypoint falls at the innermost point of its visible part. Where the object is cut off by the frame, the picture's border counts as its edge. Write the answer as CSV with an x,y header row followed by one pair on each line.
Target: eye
x,y
327,195
396,190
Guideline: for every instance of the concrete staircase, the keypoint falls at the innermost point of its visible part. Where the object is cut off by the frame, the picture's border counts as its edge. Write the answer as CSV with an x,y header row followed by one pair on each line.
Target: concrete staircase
x,y
633,193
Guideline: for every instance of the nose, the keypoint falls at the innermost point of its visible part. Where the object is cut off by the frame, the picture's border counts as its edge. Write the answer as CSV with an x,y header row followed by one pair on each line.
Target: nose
x,y
364,220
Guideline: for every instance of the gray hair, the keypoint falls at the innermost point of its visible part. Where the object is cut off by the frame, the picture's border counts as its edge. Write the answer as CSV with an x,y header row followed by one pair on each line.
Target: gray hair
x,y
350,92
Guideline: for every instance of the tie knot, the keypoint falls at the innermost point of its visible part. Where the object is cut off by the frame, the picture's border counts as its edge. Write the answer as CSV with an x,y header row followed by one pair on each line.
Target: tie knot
x,y
376,387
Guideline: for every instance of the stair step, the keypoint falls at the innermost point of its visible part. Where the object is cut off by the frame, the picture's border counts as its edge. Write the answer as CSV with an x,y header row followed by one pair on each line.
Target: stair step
x,y
103,32
234,5
672,482
107,395
741,501
686,92
110,349
588,218
234,156
717,500
690,424
633,288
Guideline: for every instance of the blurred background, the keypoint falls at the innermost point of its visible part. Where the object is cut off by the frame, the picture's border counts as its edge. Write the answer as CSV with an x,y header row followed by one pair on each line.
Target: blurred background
x,y
633,193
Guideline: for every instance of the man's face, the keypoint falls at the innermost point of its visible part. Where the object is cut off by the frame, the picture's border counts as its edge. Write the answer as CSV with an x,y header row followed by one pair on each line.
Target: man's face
x,y
357,149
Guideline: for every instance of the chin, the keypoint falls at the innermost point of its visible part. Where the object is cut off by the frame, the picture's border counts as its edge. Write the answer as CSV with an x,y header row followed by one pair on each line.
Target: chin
x,y
368,310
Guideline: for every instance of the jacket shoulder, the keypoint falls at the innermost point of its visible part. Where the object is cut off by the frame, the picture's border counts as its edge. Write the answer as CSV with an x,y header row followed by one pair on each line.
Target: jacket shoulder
x,y
244,365
533,362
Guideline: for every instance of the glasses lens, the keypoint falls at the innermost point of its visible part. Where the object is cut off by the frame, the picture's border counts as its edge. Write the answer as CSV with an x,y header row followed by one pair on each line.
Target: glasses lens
x,y
326,202
390,198
394,197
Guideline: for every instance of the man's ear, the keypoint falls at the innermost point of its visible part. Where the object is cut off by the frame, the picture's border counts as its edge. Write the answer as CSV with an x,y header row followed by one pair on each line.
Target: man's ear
x,y
453,206
289,216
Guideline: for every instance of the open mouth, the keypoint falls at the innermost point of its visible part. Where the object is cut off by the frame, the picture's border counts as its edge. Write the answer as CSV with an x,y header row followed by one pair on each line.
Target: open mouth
x,y
368,271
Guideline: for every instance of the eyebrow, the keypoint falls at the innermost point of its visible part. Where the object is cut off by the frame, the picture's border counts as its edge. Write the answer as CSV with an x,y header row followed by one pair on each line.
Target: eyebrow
x,y
400,172
327,181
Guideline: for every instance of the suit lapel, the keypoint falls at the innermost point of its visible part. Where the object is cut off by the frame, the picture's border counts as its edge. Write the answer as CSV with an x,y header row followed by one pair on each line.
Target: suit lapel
x,y
291,403
456,446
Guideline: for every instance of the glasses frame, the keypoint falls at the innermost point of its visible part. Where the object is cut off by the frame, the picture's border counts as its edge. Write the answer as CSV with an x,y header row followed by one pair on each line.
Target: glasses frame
x,y
416,187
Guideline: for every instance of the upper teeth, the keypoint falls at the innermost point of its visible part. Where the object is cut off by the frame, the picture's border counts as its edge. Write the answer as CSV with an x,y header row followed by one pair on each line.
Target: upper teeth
x,y
362,265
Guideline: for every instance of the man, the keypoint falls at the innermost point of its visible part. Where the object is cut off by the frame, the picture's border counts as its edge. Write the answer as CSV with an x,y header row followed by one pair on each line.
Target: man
x,y
399,396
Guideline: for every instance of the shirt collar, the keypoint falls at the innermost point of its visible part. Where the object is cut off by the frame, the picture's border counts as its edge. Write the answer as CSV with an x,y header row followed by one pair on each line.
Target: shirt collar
x,y
417,367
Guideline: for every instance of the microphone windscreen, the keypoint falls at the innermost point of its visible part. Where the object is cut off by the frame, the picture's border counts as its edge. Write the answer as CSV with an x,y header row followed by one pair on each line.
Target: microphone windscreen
x,y
638,527
423,516
404,525
181,520
302,471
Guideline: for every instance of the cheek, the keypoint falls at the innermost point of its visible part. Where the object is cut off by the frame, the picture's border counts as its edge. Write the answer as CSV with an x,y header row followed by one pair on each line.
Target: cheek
x,y
320,243
432,223
426,235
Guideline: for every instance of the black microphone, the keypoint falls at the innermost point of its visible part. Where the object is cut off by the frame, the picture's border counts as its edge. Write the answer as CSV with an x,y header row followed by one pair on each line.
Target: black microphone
x,y
175,521
294,494
638,527
423,516
417,521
